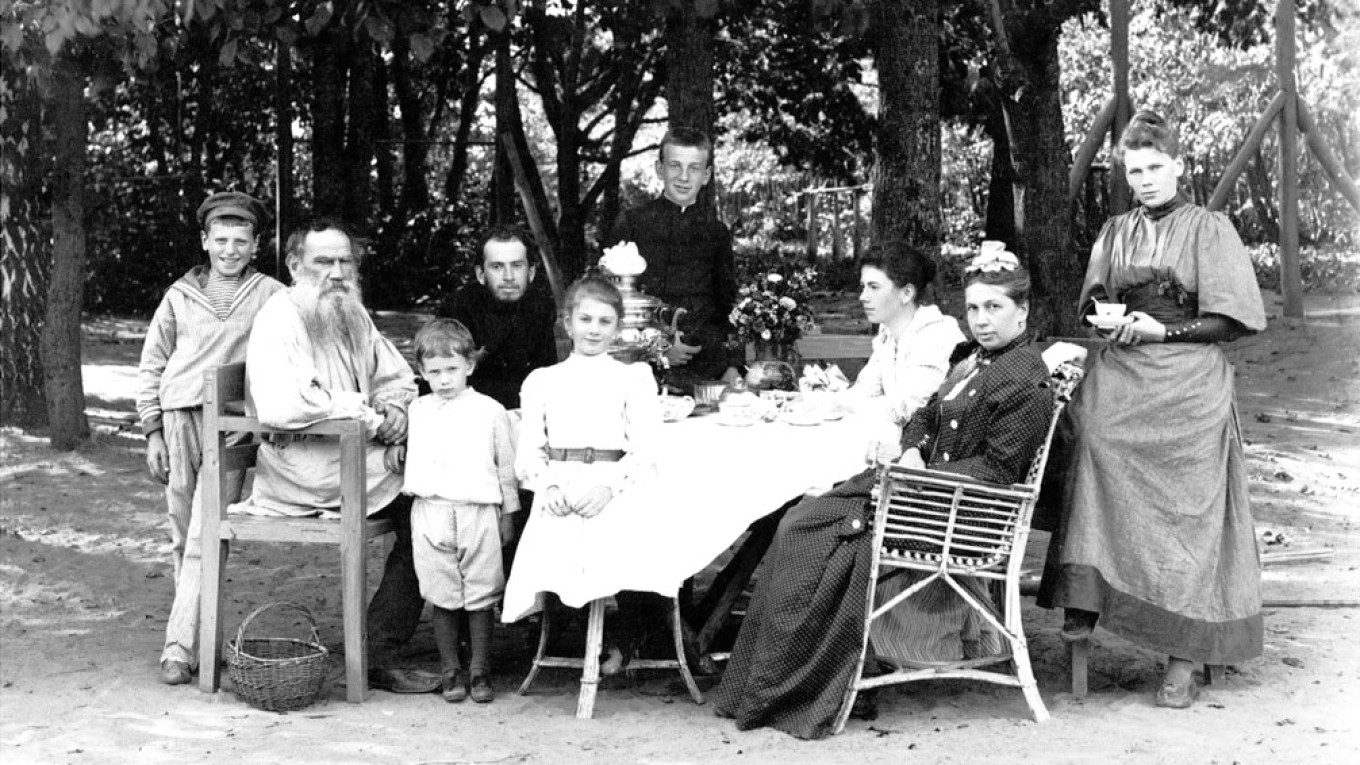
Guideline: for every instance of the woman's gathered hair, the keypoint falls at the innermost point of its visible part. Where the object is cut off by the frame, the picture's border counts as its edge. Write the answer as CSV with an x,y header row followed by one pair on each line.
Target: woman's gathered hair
x,y
904,264
595,287
1015,282
445,338
1148,130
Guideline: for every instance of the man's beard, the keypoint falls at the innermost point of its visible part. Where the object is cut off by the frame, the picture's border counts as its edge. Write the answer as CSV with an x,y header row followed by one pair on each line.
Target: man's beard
x,y
336,317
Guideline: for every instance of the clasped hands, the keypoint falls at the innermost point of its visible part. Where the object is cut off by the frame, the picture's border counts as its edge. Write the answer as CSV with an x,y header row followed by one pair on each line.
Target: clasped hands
x,y
588,505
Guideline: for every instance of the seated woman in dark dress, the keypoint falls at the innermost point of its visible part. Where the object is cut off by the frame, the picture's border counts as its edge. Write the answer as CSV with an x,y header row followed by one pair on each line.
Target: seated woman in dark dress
x,y
799,642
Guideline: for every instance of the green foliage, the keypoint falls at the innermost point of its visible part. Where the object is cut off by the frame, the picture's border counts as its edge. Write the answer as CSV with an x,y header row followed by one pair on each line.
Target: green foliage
x,y
796,79
433,256
965,176
1331,269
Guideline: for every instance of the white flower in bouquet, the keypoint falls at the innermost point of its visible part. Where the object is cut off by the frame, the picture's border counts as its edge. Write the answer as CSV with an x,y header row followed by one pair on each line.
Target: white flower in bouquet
x,y
623,259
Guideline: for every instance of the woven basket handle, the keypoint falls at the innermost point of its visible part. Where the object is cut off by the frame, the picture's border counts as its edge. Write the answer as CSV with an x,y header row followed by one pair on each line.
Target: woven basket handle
x,y
281,604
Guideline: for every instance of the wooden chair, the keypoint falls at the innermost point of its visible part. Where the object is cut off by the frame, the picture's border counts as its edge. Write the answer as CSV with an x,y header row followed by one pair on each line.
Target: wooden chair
x,y
224,391
948,526
590,663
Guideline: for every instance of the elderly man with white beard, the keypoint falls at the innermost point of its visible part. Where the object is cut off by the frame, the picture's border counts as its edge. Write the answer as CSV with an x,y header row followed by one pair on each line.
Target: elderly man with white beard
x,y
314,355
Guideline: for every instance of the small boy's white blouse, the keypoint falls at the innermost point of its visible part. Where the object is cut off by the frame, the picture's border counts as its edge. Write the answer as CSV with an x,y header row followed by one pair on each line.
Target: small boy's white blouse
x,y
461,450
588,401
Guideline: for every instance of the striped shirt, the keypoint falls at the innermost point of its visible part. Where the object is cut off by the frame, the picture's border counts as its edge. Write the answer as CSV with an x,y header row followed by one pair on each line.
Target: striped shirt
x,y
220,290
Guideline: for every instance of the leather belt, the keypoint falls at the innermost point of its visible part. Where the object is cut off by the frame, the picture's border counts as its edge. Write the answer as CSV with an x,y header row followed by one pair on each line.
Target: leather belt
x,y
587,455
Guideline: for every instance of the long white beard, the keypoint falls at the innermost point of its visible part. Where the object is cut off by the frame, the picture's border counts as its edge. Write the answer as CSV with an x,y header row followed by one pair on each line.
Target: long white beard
x,y
336,318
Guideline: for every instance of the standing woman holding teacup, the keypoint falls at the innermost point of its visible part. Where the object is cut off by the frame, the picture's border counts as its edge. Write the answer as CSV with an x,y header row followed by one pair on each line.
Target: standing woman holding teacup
x,y
1156,539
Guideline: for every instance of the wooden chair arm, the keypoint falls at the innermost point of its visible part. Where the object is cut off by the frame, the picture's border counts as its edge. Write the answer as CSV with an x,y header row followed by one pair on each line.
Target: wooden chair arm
x,y
337,427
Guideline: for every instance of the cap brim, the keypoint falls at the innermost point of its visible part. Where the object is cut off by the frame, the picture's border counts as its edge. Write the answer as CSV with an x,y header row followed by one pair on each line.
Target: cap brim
x,y
232,210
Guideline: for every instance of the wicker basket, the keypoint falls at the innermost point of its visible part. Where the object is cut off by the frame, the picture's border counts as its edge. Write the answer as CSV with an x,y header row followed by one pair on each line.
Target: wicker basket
x,y
277,674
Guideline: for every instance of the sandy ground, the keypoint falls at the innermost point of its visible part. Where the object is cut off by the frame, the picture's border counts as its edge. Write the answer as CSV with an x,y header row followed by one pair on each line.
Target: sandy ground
x,y
85,587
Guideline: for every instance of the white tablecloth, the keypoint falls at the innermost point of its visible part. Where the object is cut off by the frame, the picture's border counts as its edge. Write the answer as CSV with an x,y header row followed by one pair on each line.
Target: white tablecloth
x,y
713,481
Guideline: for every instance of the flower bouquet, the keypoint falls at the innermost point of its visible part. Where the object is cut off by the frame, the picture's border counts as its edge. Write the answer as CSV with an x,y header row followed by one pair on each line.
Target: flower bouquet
x,y
774,309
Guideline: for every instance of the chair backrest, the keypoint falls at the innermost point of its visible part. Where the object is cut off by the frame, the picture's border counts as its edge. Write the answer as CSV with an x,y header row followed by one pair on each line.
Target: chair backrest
x,y
939,516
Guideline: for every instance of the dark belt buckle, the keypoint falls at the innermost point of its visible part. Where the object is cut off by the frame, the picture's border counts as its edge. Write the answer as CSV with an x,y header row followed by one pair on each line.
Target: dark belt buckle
x,y
589,455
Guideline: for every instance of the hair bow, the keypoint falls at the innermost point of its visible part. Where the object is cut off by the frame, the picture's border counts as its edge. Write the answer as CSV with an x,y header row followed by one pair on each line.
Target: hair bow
x,y
994,257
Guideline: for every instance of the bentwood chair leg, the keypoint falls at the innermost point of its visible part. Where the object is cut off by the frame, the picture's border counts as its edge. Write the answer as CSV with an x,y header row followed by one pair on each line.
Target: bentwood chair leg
x,y
590,675
1020,655
677,632
1080,653
546,616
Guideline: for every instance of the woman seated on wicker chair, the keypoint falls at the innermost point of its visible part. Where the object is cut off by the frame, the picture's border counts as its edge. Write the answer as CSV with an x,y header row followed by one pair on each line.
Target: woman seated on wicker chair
x,y
800,640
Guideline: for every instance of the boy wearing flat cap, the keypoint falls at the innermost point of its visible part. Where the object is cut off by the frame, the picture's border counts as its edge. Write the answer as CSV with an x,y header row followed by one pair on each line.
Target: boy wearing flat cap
x,y
202,322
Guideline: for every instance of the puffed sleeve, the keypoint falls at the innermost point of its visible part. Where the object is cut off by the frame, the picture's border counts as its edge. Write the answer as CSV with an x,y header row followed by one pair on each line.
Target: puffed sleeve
x,y
1226,281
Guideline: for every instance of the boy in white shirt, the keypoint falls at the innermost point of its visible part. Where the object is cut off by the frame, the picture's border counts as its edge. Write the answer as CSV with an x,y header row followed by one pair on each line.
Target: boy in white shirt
x,y
460,466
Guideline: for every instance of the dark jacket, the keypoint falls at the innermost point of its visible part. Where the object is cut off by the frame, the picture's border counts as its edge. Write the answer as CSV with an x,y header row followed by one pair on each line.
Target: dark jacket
x,y
996,419
690,266
517,338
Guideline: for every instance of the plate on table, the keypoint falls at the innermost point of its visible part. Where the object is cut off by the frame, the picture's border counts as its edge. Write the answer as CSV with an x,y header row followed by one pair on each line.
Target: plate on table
x,y
832,415
801,418
1109,322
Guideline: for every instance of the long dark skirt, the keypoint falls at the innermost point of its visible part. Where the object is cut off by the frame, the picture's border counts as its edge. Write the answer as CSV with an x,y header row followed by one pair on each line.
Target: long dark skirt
x,y
802,634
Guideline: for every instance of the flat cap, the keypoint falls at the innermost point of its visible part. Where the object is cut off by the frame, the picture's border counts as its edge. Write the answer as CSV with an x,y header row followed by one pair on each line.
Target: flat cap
x,y
234,203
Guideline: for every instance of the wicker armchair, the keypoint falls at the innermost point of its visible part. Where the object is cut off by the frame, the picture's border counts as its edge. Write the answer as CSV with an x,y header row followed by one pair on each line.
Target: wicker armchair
x,y
949,526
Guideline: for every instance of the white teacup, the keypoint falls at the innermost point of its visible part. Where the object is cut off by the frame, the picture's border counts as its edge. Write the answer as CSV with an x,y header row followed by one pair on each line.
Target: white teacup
x,y
676,408
1110,310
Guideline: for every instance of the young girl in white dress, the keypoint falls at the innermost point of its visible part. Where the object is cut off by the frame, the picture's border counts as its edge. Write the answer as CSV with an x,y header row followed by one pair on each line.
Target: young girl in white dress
x,y
586,450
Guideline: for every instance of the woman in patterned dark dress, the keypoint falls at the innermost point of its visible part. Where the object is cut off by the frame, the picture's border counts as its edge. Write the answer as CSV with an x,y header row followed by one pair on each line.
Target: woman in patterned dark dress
x,y
798,644
1156,537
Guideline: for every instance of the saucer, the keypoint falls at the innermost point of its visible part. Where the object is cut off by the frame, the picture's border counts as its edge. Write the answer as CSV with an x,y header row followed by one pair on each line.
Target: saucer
x,y
796,419
734,422
1109,322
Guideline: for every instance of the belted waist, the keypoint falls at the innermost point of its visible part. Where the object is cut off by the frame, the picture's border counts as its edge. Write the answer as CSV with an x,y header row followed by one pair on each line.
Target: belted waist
x,y
587,455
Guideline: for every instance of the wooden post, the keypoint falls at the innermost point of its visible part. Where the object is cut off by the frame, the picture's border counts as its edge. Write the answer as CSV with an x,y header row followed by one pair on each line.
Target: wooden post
x,y
811,224
836,225
1090,146
1249,146
1330,165
1120,194
857,200
1291,279
535,217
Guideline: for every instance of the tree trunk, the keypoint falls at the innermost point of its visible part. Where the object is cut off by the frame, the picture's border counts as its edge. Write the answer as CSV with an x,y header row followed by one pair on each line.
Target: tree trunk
x,y
906,175
415,149
1262,198
468,102
65,291
1000,220
1032,96
689,75
507,113
283,131
363,121
330,50
27,254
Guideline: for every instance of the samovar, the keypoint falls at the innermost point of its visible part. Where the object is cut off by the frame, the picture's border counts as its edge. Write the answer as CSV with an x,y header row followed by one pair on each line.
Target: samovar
x,y
644,334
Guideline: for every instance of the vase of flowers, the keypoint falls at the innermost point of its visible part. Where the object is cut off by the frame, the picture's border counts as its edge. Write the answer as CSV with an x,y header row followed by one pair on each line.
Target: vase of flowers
x,y
770,314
